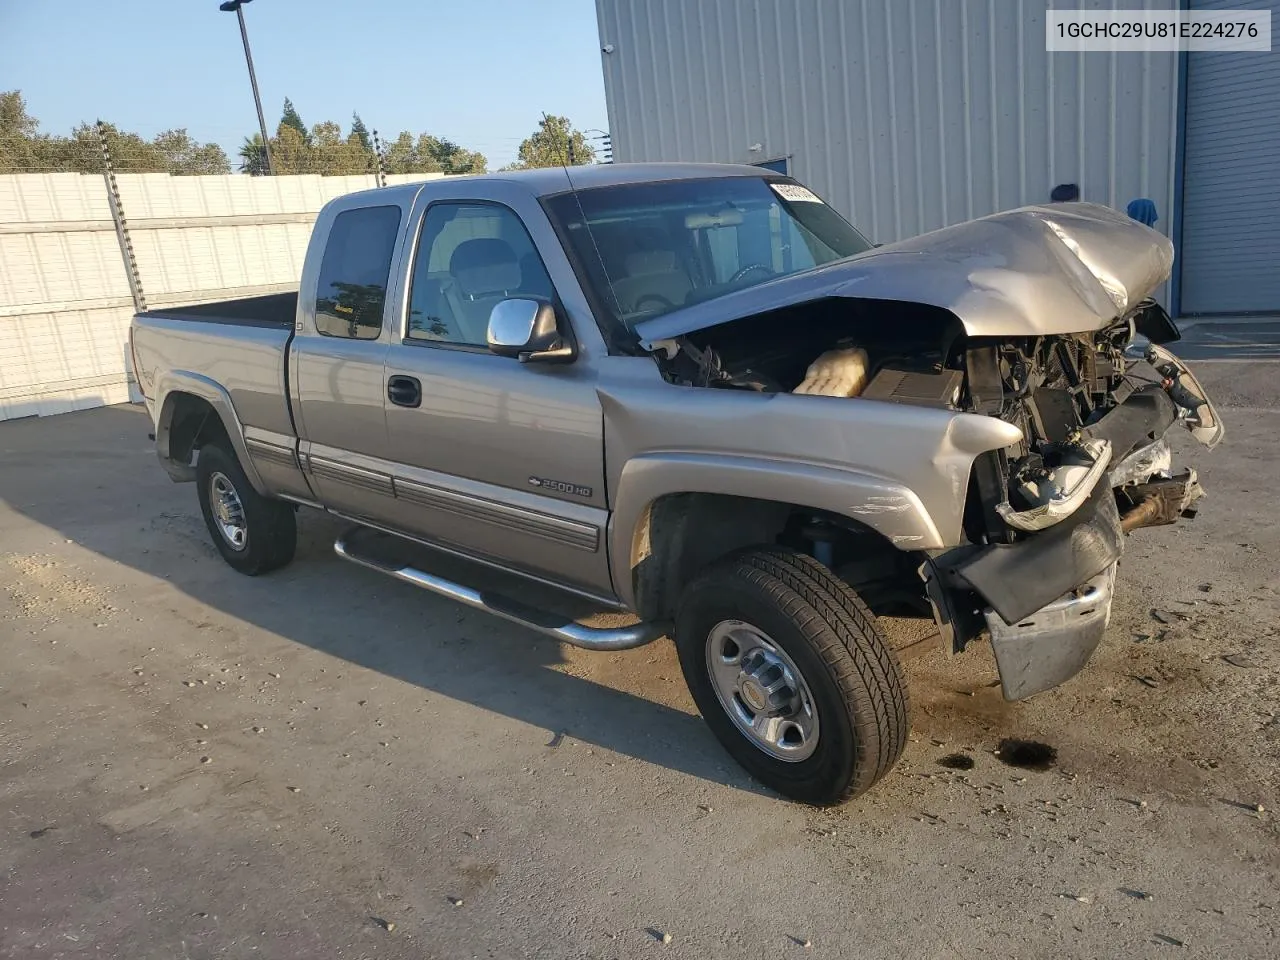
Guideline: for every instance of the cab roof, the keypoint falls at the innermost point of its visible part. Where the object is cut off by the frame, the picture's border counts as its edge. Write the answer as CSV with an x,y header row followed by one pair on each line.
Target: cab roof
x,y
546,181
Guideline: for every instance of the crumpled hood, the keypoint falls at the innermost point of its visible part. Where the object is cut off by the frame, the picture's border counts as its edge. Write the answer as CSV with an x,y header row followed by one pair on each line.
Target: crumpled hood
x,y
1062,268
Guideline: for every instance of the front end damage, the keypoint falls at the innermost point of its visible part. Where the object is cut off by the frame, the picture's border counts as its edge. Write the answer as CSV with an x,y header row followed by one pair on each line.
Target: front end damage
x,y
1049,515
1045,519
1040,317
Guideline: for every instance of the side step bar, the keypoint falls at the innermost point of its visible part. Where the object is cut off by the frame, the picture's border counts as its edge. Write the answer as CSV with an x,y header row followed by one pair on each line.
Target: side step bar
x,y
567,631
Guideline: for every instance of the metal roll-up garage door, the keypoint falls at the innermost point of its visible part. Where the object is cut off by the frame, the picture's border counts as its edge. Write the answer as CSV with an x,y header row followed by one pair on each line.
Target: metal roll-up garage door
x,y
1230,250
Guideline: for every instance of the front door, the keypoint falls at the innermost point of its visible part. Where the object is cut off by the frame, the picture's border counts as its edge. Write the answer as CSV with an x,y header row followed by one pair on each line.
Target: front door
x,y
502,458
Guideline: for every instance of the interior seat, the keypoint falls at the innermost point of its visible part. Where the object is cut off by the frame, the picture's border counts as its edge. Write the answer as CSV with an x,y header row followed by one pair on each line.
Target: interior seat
x,y
654,281
485,271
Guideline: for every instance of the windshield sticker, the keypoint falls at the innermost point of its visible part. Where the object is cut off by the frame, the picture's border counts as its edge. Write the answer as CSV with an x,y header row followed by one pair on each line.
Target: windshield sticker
x,y
794,193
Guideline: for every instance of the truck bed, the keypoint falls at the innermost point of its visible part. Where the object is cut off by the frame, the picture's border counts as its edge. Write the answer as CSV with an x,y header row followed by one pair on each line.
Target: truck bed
x,y
241,345
271,310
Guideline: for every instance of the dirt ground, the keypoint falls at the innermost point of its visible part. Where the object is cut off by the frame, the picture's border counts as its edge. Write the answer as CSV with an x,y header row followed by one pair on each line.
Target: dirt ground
x,y
324,763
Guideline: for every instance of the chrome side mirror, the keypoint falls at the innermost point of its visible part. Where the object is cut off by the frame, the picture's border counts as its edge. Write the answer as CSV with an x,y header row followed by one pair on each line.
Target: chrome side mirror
x,y
527,328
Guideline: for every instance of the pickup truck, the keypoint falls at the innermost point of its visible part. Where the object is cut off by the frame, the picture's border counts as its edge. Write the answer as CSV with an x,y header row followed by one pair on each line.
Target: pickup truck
x,y
697,395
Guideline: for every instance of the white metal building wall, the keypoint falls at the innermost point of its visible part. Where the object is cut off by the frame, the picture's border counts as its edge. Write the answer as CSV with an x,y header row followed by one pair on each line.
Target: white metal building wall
x,y
1231,177
907,115
65,303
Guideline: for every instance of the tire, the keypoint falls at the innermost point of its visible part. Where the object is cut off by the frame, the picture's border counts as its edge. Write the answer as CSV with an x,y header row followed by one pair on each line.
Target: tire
x,y
269,527
852,693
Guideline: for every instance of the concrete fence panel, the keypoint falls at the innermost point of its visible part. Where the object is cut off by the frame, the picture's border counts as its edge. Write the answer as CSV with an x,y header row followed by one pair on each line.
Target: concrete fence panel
x,y
65,300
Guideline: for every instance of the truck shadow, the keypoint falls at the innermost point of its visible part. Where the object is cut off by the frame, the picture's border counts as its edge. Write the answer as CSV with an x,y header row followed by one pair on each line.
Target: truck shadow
x,y
92,477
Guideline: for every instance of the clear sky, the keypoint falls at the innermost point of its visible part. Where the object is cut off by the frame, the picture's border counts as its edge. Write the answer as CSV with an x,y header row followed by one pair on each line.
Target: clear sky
x,y
479,72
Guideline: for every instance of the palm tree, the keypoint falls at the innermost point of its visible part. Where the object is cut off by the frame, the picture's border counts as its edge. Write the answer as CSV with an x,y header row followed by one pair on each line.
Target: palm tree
x,y
253,156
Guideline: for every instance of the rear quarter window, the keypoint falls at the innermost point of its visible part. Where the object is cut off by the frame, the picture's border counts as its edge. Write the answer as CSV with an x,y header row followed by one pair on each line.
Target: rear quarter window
x,y
354,272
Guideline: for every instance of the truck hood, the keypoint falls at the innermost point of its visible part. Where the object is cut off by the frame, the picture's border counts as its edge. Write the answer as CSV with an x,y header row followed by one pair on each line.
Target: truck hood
x,y
1034,271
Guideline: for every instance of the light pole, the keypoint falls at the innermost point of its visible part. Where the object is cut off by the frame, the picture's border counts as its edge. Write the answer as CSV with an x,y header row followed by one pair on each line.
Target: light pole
x,y
237,5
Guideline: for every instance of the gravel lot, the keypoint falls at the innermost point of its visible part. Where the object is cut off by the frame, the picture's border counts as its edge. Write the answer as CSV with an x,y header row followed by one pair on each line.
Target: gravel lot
x,y
324,763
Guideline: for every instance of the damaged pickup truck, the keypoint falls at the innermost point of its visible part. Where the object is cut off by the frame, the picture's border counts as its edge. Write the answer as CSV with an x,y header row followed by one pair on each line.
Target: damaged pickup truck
x,y
697,395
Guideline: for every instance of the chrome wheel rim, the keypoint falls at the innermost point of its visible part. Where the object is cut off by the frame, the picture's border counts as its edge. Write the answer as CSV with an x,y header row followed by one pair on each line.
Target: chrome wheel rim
x,y
228,511
762,691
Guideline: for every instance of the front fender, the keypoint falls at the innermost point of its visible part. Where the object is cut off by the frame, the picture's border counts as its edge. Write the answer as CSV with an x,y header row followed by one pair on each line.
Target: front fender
x,y
888,508
170,386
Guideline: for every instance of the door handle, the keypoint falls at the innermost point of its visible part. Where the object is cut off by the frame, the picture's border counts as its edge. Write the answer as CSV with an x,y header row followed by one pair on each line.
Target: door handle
x,y
404,391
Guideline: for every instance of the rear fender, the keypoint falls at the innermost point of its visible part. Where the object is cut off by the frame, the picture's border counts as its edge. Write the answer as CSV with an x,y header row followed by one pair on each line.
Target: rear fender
x,y
174,443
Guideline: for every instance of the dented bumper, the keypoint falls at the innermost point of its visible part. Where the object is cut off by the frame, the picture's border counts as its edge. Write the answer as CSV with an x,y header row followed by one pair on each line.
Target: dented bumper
x,y
1053,644
1017,579
1045,600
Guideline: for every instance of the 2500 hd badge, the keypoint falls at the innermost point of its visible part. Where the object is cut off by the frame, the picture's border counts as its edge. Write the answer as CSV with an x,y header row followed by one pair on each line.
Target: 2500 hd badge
x,y
560,486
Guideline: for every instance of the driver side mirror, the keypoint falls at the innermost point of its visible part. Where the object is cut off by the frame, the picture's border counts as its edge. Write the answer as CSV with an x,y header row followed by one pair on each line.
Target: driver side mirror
x,y
527,328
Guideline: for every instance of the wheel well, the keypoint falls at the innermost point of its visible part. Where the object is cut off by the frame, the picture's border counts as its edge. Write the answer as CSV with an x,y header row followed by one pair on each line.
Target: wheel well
x,y
682,533
188,423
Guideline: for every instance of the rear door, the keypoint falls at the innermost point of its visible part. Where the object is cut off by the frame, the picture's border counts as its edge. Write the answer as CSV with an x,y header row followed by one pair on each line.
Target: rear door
x,y
341,345
503,459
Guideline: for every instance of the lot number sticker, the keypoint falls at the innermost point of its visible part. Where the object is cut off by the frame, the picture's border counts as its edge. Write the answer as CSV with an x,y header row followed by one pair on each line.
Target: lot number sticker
x,y
794,193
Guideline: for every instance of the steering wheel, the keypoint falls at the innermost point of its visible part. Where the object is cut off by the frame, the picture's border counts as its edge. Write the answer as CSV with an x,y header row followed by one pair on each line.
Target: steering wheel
x,y
743,271
657,298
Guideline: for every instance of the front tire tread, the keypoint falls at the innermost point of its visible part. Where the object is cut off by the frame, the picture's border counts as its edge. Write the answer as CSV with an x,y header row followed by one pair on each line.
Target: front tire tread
x,y
845,640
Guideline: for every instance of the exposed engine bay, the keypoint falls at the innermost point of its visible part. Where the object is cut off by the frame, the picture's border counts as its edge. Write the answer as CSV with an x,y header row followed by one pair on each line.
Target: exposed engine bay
x,y
832,347
1086,408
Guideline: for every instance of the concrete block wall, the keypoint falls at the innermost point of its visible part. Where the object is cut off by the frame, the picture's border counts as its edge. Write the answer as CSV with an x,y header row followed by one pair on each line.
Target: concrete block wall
x,y
65,301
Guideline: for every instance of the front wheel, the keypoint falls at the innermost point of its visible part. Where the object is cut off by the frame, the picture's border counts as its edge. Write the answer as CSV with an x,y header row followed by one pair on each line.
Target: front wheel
x,y
254,534
792,674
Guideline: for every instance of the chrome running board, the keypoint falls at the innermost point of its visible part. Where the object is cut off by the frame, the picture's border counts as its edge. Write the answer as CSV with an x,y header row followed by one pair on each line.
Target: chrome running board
x,y
558,628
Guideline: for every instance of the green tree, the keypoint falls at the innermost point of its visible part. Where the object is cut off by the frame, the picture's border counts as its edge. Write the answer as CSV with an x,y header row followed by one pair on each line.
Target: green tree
x,y
182,155
289,118
24,149
400,155
335,155
445,156
430,154
130,153
361,132
253,158
554,144
290,152
324,150
360,153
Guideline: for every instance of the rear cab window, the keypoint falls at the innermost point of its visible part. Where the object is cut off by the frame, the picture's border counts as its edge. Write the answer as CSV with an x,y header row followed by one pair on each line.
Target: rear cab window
x,y
354,272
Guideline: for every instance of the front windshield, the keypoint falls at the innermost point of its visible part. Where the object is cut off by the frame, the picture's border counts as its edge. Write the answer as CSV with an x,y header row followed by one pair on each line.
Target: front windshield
x,y
649,248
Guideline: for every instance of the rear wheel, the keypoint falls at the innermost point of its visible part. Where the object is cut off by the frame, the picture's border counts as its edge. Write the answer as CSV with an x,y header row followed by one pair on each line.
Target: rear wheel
x,y
254,534
791,673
